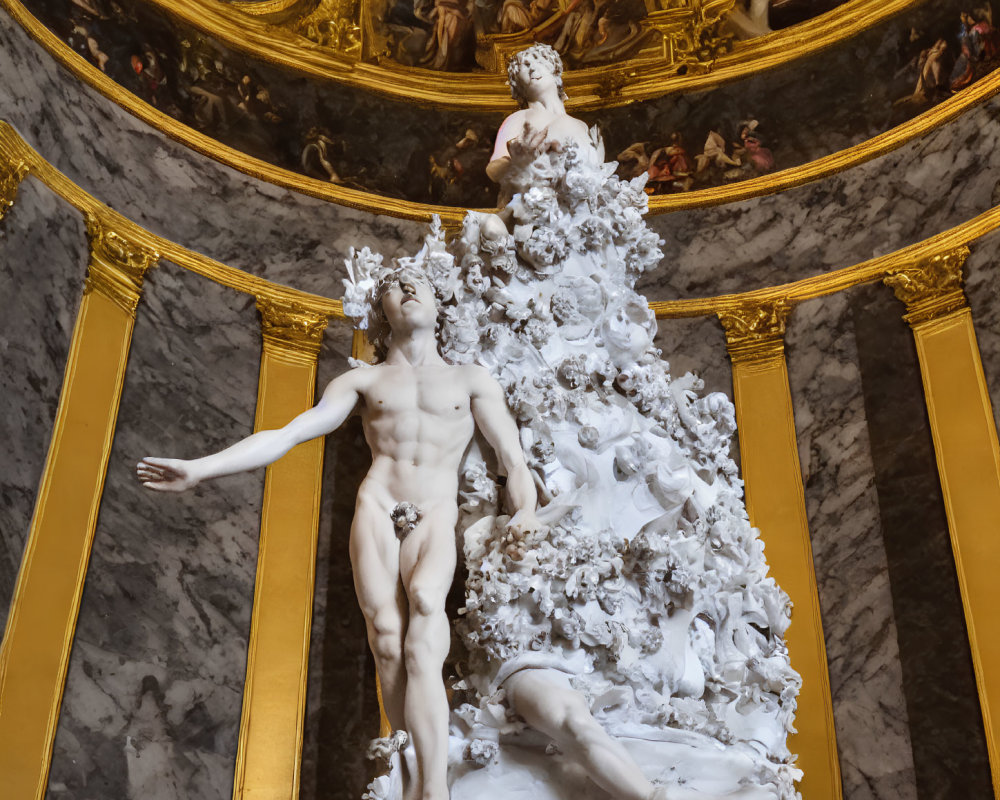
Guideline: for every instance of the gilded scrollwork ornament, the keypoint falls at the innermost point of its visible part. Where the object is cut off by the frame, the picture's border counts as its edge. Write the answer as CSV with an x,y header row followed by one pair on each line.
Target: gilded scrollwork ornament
x,y
932,287
756,331
292,328
118,265
11,175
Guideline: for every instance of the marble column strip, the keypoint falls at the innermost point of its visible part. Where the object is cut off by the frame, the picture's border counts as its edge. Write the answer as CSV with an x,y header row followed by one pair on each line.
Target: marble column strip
x,y
945,724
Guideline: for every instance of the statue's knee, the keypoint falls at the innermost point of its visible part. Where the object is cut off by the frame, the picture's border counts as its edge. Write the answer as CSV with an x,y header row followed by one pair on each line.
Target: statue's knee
x,y
577,722
424,602
387,638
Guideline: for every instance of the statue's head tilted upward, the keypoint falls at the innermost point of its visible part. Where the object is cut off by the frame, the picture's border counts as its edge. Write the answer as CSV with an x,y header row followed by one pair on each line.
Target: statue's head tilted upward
x,y
532,61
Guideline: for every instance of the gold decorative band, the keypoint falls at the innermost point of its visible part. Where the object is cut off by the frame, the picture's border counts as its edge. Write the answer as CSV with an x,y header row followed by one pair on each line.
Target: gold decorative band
x,y
11,176
756,331
117,266
292,329
932,288
628,81
452,217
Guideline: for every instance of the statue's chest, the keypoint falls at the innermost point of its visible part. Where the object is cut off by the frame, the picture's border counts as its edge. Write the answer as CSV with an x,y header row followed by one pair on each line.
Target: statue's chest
x,y
427,393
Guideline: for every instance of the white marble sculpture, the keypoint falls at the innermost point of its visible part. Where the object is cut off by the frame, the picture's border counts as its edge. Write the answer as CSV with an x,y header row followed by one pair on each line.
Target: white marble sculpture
x,y
419,415
634,640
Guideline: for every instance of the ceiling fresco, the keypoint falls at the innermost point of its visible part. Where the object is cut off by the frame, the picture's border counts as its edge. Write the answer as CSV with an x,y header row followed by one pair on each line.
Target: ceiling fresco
x,y
359,139
455,35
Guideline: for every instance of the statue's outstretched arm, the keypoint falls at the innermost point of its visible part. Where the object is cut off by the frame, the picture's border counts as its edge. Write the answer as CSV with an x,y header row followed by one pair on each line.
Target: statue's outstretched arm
x,y
489,408
260,449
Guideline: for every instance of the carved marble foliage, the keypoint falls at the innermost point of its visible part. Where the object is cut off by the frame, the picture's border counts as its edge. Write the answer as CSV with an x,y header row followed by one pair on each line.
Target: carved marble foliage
x,y
649,592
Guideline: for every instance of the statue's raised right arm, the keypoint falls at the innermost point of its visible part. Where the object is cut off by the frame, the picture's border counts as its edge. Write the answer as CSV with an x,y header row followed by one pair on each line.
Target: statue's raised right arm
x,y
260,449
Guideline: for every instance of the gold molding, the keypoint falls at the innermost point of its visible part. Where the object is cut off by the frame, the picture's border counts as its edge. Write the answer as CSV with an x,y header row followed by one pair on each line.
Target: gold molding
x,y
818,169
269,749
10,179
38,639
645,78
775,501
117,266
291,328
932,288
14,149
968,459
756,331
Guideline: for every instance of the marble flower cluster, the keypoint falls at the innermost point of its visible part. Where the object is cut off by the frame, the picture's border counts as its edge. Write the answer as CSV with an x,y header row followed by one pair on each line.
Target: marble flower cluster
x,y
649,590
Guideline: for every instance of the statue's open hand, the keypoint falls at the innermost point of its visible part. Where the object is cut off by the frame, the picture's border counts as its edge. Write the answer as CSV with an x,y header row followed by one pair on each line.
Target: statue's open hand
x,y
166,474
532,143
522,528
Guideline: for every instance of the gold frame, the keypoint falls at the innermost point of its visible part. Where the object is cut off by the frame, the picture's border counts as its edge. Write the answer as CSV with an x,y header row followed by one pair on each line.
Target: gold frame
x,y
824,167
587,88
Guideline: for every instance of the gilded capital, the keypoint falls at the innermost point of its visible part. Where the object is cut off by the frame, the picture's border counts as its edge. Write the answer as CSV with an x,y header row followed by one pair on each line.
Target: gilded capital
x,y
292,327
11,175
932,287
117,264
756,331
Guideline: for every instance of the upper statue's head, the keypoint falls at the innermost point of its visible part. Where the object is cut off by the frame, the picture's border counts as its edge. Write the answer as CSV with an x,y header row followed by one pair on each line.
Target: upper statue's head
x,y
537,60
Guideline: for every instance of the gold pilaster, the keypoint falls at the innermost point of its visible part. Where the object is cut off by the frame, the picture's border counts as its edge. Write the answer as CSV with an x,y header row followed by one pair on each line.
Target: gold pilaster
x,y
11,175
40,627
968,457
776,504
274,699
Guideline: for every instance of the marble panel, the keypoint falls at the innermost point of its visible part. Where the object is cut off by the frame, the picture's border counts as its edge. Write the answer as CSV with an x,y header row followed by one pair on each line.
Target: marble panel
x,y
43,262
851,570
942,704
927,186
176,193
153,696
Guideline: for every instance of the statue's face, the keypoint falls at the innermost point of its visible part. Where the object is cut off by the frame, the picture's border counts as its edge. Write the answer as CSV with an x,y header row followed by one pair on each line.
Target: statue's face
x,y
535,76
409,302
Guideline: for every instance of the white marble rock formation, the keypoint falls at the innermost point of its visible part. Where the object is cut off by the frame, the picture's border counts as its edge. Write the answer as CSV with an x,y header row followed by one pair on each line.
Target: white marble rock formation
x,y
649,593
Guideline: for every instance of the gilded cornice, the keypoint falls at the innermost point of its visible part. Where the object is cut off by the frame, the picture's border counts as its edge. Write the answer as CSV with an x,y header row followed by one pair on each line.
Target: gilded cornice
x,y
14,149
941,253
932,287
815,170
629,81
755,331
292,328
11,176
118,264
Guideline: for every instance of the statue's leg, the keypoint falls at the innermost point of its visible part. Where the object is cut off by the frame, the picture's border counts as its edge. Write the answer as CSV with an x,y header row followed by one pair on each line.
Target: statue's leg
x,y
545,702
427,564
375,561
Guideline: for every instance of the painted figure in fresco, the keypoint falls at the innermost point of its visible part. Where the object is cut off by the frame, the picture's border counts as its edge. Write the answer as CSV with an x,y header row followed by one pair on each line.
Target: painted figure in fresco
x,y
520,15
751,149
714,153
315,156
419,415
448,45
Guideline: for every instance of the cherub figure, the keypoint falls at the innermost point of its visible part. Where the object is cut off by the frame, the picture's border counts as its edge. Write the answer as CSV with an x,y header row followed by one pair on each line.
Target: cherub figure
x,y
419,415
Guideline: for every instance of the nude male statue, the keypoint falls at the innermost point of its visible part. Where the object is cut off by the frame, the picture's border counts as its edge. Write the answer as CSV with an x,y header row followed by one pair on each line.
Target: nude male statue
x,y
419,415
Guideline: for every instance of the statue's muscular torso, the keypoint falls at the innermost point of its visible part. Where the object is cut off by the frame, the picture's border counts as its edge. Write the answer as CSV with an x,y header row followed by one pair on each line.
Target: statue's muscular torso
x,y
418,423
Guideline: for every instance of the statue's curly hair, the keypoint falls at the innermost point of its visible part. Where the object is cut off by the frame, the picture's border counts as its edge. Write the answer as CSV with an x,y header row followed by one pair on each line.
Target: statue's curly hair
x,y
378,332
547,54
